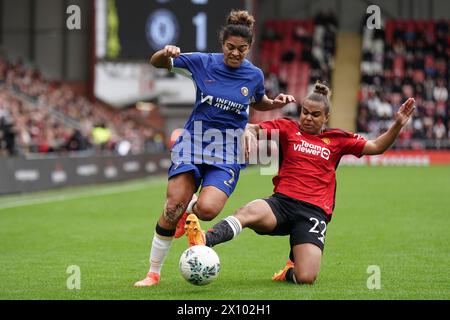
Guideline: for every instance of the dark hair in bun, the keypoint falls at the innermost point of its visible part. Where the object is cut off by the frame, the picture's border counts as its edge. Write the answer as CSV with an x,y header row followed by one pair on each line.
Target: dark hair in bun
x,y
321,93
322,89
239,24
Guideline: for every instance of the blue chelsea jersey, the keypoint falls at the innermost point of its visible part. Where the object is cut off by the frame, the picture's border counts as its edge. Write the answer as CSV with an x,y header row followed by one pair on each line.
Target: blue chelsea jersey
x,y
223,93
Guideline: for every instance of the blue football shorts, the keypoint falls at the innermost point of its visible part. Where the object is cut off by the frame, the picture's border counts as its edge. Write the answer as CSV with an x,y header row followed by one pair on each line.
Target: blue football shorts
x,y
222,176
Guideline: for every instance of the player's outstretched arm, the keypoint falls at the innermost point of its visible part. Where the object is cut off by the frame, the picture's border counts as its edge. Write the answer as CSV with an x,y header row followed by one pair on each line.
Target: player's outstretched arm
x,y
268,104
161,58
384,141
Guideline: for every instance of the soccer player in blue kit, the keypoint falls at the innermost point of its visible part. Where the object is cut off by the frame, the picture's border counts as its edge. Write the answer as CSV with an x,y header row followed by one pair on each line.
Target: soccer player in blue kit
x,y
226,84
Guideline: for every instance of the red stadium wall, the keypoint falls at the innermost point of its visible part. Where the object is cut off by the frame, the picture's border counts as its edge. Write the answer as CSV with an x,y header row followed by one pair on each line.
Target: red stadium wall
x,y
401,158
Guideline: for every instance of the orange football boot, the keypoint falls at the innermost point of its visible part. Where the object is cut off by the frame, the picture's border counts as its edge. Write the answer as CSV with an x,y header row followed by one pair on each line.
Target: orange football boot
x,y
281,275
194,233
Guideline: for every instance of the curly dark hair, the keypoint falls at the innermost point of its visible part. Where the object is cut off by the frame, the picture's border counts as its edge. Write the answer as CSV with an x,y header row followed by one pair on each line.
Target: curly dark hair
x,y
239,24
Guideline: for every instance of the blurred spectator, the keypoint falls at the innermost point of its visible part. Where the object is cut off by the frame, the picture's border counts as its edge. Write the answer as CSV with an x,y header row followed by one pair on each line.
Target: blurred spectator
x,y
272,85
439,130
7,132
288,56
383,108
101,135
440,92
76,141
301,34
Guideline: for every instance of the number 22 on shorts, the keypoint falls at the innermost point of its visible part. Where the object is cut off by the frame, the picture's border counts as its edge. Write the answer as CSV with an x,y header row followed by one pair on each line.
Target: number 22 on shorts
x,y
314,230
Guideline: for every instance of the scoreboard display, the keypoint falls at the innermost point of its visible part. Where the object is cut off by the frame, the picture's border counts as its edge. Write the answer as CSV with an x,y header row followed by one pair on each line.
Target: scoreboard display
x,y
135,29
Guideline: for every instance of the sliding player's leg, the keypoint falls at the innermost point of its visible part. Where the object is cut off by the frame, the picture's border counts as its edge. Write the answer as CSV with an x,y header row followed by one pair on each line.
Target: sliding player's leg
x,y
256,215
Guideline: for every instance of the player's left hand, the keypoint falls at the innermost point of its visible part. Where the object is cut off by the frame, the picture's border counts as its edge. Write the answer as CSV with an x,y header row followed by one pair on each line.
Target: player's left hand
x,y
283,99
405,111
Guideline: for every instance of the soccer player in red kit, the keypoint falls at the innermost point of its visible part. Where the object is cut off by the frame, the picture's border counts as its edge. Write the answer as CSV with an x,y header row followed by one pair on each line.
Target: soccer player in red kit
x,y
305,187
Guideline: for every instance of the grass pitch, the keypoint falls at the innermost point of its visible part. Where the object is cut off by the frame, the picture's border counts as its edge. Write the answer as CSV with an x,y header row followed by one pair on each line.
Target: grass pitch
x,y
395,218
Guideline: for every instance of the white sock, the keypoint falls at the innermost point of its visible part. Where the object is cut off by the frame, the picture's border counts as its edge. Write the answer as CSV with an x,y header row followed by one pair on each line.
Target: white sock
x,y
294,278
191,205
235,224
160,247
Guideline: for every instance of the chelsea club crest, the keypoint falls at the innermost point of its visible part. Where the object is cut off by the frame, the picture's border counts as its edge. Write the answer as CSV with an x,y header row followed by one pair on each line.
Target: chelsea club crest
x,y
161,28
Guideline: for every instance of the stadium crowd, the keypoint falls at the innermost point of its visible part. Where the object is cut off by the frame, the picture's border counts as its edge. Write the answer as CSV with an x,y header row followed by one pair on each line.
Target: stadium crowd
x,y
293,55
313,42
40,116
403,59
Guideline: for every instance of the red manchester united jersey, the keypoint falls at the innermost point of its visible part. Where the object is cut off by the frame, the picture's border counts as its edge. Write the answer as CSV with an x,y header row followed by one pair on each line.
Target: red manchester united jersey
x,y
308,162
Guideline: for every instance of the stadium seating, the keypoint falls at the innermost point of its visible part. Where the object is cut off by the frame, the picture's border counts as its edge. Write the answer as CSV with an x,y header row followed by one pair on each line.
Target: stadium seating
x,y
39,116
293,54
407,58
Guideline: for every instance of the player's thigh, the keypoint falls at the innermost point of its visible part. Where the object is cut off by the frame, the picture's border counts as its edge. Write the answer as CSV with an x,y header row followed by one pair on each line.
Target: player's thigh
x,y
222,177
307,241
219,182
257,215
181,186
307,262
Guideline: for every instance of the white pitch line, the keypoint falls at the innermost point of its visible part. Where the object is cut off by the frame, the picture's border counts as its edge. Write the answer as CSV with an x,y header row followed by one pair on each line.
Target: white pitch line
x,y
104,190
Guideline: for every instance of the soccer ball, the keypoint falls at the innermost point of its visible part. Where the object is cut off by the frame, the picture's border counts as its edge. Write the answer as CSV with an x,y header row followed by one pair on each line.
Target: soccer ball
x,y
199,265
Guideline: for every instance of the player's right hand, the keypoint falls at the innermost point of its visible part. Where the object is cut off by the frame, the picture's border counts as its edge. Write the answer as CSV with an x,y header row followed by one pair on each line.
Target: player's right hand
x,y
172,51
405,112
249,142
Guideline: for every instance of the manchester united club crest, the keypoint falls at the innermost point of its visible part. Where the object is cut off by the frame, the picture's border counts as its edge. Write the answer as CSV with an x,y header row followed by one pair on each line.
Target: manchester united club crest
x,y
244,91
326,140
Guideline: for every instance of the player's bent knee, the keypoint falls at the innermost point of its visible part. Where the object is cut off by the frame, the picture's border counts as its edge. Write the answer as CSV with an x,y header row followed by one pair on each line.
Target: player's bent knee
x,y
305,277
173,211
206,216
205,211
